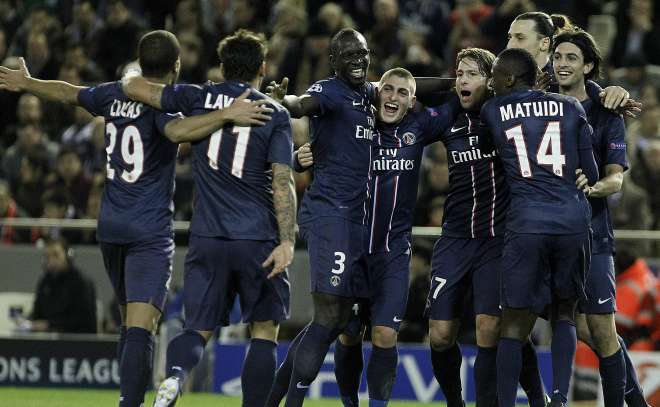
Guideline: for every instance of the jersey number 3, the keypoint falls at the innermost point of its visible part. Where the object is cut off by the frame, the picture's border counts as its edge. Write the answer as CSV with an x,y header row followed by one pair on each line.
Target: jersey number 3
x,y
130,135
549,152
242,137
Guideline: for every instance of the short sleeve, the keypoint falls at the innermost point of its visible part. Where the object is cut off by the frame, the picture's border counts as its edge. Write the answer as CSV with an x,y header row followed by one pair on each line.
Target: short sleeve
x,y
616,143
180,98
162,119
280,149
439,119
325,93
88,100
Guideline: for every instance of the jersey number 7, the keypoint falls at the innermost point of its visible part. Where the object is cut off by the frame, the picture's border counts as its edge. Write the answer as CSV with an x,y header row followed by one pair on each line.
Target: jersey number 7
x,y
548,154
242,138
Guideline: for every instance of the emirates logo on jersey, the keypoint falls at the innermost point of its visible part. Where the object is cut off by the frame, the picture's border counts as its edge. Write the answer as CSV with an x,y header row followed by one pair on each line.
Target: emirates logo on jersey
x,y
408,138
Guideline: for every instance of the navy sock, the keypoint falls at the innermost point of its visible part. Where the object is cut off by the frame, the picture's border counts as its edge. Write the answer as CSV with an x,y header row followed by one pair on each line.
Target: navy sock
x,y
283,374
613,375
121,342
509,366
530,377
381,373
634,395
258,372
564,342
447,371
348,372
485,377
309,357
184,353
135,367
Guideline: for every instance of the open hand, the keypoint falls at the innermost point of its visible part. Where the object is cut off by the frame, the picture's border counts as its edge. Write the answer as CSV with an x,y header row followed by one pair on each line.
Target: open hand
x,y
14,80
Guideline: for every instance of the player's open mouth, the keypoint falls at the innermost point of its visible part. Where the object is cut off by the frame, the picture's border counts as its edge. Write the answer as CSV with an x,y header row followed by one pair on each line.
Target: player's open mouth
x,y
357,73
391,108
564,74
465,95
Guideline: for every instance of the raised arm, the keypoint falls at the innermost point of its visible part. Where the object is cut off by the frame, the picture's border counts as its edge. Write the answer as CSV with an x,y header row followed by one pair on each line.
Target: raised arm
x,y
284,202
298,106
140,89
19,80
242,112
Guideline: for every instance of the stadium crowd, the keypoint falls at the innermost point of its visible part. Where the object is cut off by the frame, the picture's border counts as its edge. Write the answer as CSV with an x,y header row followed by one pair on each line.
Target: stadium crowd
x,y
53,156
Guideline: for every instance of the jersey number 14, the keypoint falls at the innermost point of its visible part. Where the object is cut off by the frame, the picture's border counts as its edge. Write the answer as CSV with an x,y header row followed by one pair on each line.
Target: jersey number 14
x,y
549,152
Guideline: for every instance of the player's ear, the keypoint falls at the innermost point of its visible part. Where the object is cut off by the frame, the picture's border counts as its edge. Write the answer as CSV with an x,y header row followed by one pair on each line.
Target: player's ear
x,y
587,68
262,69
510,80
545,44
412,102
177,66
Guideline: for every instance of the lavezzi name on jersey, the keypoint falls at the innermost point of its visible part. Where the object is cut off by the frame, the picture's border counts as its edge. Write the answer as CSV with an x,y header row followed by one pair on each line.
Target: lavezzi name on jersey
x,y
543,108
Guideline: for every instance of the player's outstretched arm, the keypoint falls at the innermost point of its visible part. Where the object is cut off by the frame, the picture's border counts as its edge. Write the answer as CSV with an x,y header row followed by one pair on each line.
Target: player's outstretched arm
x,y
610,184
284,201
298,106
19,80
138,88
241,112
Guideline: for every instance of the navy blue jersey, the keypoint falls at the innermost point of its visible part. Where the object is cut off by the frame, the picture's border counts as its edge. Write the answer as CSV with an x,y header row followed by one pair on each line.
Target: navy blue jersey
x,y
609,148
542,138
137,199
232,168
478,197
396,158
341,137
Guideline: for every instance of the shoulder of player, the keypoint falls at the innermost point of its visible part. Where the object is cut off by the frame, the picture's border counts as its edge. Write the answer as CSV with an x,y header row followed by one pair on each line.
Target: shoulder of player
x,y
322,85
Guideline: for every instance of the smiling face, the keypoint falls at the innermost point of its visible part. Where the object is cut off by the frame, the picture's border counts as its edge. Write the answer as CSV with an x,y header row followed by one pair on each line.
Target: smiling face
x,y
471,84
396,95
352,59
569,66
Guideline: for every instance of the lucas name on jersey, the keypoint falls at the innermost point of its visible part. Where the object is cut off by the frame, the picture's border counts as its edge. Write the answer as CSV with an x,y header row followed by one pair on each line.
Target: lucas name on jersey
x,y
122,108
387,161
544,108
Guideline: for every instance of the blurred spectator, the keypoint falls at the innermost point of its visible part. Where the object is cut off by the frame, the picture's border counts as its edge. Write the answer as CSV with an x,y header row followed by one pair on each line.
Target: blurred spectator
x,y
630,209
415,54
28,111
383,35
229,15
193,65
85,28
40,20
495,28
65,300
464,21
92,212
39,58
3,44
118,39
188,19
646,173
8,210
31,182
29,137
430,17
636,34
70,177
641,132
635,299
57,206
77,57
634,75
9,19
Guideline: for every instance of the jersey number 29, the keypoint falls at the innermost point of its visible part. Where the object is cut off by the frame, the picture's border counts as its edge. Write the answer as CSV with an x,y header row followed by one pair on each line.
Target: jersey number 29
x,y
548,154
130,135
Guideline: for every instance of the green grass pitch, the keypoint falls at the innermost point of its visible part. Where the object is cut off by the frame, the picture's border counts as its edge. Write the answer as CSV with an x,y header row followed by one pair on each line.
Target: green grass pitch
x,y
45,397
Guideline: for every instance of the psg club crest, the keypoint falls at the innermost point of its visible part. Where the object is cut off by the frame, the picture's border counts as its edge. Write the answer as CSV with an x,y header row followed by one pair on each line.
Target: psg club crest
x,y
335,280
408,138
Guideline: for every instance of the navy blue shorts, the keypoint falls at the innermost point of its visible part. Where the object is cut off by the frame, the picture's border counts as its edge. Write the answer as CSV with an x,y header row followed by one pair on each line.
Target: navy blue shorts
x,y
140,271
337,257
461,267
600,286
388,284
217,269
539,269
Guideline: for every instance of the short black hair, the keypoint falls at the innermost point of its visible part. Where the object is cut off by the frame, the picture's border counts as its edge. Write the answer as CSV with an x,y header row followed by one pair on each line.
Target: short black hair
x,y
587,44
519,63
482,57
157,53
336,40
242,54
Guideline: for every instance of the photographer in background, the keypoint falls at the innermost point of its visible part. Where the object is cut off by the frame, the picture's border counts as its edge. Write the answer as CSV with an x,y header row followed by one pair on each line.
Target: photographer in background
x,y
65,300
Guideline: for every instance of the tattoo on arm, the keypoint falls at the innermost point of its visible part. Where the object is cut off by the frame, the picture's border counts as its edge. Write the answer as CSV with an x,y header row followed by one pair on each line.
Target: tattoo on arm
x,y
284,201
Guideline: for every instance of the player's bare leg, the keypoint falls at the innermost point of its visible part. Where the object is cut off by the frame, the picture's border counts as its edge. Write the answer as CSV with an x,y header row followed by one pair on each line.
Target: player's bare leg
x,y
446,359
349,364
331,315
260,363
136,361
599,332
516,325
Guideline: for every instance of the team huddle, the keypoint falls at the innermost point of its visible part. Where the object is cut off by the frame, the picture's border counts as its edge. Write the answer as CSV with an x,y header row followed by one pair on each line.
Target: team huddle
x,y
526,227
